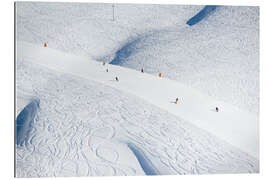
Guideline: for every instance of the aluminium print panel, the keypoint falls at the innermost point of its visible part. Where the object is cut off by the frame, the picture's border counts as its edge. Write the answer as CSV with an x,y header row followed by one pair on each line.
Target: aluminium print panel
x,y
135,89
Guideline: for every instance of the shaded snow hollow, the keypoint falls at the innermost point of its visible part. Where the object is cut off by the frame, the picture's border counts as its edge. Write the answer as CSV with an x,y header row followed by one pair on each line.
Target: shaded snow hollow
x,y
25,120
146,164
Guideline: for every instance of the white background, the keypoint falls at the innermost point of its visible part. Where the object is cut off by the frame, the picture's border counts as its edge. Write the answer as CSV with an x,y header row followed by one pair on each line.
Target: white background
x,y
7,89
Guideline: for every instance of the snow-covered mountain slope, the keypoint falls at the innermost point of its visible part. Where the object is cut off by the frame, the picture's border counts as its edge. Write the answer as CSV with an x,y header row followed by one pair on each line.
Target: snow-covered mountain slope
x,y
87,128
89,124
236,126
88,28
218,56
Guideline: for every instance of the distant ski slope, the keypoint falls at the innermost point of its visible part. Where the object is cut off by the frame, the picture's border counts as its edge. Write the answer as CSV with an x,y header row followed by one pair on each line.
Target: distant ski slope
x,y
88,28
236,126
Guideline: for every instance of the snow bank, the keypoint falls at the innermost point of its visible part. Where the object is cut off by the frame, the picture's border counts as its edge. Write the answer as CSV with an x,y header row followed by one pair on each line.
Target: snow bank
x,y
24,121
145,163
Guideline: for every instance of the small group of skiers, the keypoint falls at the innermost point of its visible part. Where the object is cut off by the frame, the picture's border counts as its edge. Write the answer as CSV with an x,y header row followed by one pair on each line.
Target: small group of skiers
x,y
159,75
176,102
107,70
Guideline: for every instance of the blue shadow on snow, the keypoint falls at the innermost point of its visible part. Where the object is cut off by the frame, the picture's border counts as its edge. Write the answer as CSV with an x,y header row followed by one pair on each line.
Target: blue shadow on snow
x,y
127,49
207,10
145,163
24,120
124,53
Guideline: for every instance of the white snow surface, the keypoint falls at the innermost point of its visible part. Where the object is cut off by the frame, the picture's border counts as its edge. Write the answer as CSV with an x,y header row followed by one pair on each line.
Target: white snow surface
x,y
83,126
88,28
87,119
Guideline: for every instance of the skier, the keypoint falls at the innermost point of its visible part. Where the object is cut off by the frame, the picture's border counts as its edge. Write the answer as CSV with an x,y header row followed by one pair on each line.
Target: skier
x,y
103,63
116,78
107,70
176,101
142,70
217,109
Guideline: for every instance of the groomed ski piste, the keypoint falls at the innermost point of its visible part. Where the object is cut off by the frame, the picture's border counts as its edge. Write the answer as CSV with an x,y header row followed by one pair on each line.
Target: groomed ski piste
x,y
75,119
